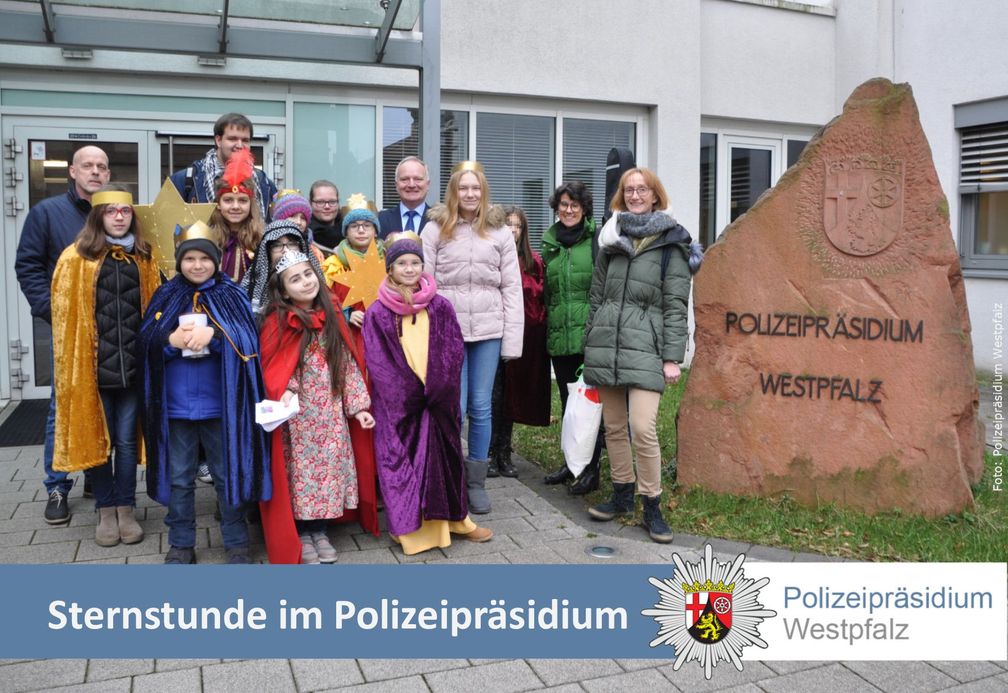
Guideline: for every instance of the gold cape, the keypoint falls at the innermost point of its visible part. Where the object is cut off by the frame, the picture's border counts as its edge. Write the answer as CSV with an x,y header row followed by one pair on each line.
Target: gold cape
x,y
82,438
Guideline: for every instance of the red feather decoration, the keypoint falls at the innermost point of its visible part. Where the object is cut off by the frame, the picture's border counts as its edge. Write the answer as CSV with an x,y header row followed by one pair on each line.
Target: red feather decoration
x,y
238,174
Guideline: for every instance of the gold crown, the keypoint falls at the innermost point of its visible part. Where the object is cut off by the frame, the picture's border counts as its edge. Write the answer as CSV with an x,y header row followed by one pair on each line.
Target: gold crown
x,y
358,201
110,197
402,235
708,586
197,229
469,165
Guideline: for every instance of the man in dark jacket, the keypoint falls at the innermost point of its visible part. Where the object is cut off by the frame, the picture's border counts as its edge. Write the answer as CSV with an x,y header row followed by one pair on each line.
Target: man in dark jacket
x,y
412,182
232,132
49,228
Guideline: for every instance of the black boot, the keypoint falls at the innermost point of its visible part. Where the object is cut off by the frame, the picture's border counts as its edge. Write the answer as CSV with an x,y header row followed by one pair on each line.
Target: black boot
x,y
492,470
504,464
587,481
620,503
559,476
654,523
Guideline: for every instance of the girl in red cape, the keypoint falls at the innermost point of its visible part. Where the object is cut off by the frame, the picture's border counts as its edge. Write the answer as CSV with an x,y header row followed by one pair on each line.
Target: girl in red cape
x,y
297,329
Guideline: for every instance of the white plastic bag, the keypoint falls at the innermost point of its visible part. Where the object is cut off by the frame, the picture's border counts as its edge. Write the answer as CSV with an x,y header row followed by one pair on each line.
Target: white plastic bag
x,y
580,427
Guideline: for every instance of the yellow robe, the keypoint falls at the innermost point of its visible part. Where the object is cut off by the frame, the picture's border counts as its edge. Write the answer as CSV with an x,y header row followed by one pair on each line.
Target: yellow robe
x,y
82,438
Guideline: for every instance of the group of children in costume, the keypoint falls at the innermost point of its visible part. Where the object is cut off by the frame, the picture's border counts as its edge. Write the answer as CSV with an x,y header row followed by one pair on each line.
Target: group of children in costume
x,y
180,365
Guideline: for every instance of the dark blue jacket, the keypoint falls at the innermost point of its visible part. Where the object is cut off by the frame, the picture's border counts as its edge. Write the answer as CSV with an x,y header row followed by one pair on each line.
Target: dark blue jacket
x,y
51,225
193,385
391,221
197,189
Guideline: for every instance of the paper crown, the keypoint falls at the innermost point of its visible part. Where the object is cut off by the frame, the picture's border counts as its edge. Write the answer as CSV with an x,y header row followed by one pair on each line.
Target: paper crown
x,y
237,171
111,197
289,259
359,201
402,235
196,230
469,165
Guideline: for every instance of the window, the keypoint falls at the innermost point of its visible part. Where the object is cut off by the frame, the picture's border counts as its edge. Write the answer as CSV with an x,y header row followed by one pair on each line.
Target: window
x,y
708,188
400,138
586,144
983,186
335,142
517,152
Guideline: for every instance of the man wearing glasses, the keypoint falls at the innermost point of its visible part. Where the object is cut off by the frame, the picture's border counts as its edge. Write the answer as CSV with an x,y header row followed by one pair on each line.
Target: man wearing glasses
x,y
326,220
412,183
49,228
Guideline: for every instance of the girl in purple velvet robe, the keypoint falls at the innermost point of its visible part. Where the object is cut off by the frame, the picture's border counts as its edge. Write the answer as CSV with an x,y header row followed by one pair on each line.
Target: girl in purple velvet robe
x,y
414,352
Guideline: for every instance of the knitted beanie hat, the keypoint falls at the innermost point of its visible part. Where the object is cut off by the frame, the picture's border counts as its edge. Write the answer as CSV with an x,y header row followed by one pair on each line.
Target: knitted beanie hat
x,y
360,214
203,245
399,244
287,203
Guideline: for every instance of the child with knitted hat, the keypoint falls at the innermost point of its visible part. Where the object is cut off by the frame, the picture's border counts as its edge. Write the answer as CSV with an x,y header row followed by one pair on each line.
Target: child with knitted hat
x,y
201,381
415,350
360,228
292,206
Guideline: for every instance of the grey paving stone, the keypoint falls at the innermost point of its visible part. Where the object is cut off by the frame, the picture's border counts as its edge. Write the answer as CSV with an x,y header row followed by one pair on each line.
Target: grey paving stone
x,y
502,677
834,678
573,550
16,538
642,680
115,686
964,672
370,541
383,555
997,684
460,547
410,684
791,667
902,676
728,550
320,674
10,454
804,557
477,559
508,525
62,552
744,688
550,520
104,669
42,674
48,534
382,669
770,554
102,561
506,508
635,664
146,559
534,554
18,496
176,664
181,681
556,671
249,675
9,510
689,541
91,550
539,537
690,676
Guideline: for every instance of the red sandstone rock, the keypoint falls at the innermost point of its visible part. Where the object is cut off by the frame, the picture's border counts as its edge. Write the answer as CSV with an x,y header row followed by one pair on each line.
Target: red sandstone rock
x,y
833,354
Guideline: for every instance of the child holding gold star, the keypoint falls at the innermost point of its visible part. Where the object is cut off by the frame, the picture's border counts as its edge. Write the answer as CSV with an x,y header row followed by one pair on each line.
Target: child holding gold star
x,y
360,229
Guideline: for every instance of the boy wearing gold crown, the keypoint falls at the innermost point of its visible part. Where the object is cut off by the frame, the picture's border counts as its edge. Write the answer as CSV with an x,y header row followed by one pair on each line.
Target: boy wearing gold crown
x,y
201,382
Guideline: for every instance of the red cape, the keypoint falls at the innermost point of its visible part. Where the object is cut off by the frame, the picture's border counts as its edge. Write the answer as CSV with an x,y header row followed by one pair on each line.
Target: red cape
x,y
279,355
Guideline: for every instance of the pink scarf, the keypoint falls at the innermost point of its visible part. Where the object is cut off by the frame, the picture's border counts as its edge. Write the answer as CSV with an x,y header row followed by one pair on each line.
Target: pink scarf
x,y
422,296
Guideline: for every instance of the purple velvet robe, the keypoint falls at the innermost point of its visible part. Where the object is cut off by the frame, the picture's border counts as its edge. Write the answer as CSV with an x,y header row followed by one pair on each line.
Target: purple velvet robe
x,y
418,448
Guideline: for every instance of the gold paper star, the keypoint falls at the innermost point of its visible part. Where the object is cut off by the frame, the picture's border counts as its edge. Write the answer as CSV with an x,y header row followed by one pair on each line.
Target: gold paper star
x,y
158,219
363,277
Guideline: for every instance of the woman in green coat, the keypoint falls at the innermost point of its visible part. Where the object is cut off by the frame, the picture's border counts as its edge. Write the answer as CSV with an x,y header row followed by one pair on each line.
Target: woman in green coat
x,y
635,338
568,251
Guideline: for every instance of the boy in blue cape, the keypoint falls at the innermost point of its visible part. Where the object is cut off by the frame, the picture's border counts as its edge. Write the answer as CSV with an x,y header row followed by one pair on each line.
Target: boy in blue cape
x,y
201,381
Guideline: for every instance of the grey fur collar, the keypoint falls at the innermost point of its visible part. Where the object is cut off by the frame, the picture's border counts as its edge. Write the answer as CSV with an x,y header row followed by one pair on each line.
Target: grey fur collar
x,y
633,226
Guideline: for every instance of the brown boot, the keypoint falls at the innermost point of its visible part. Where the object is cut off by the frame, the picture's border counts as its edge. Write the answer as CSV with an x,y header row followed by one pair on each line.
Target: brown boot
x,y
107,531
129,530
479,535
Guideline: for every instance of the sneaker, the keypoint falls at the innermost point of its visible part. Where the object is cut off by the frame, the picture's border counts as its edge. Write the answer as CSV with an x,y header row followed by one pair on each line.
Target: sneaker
x,y
309,555
57,512
238,555
324,549
203,473
178,555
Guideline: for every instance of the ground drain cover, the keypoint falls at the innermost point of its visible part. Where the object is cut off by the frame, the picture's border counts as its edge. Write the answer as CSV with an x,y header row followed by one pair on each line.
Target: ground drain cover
x,y
600,551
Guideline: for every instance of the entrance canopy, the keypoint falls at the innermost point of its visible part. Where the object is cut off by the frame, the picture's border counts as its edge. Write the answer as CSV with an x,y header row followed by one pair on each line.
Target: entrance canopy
x,y
401,34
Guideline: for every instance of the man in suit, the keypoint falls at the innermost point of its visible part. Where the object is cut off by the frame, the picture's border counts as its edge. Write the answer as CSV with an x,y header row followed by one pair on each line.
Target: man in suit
x,y
412,183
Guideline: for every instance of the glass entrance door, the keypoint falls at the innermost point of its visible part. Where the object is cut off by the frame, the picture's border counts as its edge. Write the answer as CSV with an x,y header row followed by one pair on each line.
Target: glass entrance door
x,y
42,156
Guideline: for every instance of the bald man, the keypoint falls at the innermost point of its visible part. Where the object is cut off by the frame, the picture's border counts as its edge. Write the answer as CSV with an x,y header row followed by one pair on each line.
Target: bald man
x,y
49,228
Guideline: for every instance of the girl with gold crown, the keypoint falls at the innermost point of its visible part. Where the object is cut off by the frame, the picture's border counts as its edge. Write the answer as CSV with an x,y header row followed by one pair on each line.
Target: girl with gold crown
x,y
237,217
101,287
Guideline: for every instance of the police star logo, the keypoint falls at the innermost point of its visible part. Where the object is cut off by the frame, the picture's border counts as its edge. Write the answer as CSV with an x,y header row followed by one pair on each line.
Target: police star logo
x,y
709,612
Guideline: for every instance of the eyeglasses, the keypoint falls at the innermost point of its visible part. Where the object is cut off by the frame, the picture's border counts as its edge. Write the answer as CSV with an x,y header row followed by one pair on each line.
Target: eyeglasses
x,y
360,226
326,203
285,244
640,191
116,211
572,206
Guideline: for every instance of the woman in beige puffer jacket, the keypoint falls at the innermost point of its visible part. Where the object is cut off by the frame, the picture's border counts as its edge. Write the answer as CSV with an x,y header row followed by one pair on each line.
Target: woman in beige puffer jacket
x,y
471,254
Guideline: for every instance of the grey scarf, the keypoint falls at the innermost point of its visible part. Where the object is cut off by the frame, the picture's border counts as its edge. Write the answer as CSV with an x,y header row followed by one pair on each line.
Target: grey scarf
x,y
634,226
125,242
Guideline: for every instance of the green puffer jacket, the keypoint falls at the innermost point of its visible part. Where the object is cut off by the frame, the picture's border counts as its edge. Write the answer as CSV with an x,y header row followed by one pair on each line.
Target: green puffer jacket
x,y
568,280
637,319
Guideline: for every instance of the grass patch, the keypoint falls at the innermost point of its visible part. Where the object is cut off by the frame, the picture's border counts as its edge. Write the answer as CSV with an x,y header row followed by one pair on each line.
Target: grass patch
x,y
779,521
